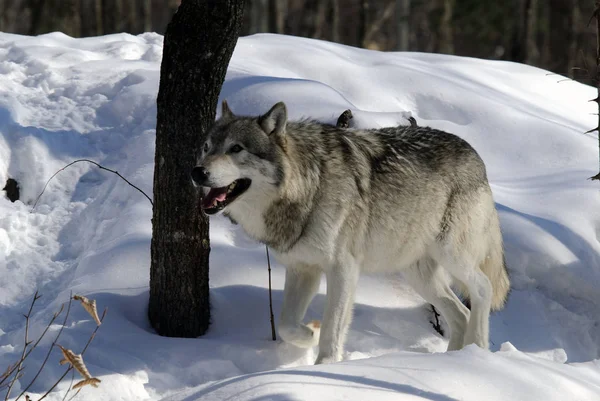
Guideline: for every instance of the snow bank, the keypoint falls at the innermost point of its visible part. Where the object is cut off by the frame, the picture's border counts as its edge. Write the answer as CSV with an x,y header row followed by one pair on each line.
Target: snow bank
x,y
63,98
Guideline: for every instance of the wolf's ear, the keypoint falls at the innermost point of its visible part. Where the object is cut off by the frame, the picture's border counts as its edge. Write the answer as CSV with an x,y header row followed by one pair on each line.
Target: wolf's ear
x,y
226,112
274,121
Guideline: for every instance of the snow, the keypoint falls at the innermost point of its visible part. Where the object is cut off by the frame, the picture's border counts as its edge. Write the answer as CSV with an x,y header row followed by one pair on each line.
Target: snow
x,y
63,98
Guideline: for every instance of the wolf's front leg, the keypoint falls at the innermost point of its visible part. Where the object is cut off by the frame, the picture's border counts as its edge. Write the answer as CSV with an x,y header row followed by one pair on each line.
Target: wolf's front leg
x,y
341,286
301,285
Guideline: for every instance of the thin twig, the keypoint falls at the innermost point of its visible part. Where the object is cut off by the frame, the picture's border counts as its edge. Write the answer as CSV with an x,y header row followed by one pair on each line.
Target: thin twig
x,y
76,394
94,332
437,326
100,167
71,367
70,385
25,345
49,350
273,335
596,14
6,374
12,369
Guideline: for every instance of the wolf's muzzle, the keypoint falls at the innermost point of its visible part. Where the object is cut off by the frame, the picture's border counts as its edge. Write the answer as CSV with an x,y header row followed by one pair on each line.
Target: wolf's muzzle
x,y
199,175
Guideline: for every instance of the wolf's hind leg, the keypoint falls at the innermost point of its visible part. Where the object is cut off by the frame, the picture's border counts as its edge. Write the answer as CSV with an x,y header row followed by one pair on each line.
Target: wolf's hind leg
x,y
301,285
341,287
429,281
480,294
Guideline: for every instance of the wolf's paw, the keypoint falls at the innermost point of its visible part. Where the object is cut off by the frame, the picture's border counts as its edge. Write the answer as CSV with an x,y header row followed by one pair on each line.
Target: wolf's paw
x,y
302,336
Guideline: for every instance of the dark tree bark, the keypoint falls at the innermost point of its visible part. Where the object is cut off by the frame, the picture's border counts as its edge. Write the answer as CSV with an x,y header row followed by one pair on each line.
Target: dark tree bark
x,y
132,19
277,12
403,22
446,36
319,20
533,53
524,47
145,7
363,22
198,45
259,16
112,18
564,14
335,21
2,15
36,8
73,23
98,13
596,16
88,18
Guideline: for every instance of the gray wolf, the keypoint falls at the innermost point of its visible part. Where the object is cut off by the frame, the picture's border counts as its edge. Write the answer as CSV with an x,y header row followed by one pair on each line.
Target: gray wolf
x,y
339,201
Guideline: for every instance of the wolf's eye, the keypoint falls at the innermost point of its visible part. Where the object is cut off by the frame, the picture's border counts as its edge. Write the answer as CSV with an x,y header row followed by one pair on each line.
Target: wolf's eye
x,y
205,146
235,149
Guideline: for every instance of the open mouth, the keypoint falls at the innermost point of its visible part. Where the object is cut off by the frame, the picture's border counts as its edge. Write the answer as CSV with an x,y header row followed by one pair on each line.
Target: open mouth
x,y
217,198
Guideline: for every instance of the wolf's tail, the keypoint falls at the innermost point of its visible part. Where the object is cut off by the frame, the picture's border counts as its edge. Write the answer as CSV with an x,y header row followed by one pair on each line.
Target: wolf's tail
x,y
494,267
495,270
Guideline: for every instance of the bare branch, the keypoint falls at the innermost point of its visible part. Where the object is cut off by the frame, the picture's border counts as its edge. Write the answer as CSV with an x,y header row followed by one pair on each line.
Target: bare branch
x,y
595,178
82,352
49,350
75,395
437,326
70,385
12,368
273,335
25,345
100,167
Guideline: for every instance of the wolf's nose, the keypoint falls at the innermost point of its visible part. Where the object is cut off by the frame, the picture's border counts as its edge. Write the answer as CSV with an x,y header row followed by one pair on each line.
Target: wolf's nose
x,y
199,175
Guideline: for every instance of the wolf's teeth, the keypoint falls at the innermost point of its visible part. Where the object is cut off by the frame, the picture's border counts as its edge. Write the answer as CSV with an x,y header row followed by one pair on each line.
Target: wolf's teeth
x,y
231,186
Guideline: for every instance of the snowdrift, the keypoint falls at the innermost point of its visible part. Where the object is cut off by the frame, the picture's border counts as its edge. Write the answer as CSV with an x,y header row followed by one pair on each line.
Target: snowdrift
x,y
63,98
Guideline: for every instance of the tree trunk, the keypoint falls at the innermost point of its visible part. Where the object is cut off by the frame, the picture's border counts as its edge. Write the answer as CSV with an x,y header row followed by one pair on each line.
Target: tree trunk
x,y
533,54
562,35
112,17
319,19
132,19
518,49
36,8
446,38
198,45
363,22
259,16
524,49
402,19
335,21
88,18
2,15
277,11
74,19
98,12
146,15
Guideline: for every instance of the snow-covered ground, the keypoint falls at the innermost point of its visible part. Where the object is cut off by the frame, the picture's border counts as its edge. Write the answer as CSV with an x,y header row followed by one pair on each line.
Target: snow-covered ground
x,y
63,98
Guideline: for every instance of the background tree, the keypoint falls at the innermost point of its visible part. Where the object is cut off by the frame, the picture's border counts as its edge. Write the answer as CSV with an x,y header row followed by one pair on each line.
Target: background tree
x,y
550,34
198,45
402,18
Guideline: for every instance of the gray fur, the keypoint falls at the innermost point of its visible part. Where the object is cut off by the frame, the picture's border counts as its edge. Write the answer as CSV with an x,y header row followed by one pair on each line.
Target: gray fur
x,y
337,201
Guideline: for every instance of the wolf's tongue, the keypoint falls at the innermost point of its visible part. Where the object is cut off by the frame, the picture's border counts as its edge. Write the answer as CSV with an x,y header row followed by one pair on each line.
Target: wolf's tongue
x,y
215,194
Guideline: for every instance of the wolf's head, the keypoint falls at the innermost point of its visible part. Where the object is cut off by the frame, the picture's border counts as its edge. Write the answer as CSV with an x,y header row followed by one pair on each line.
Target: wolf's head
x,y
241,155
